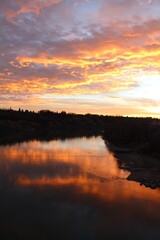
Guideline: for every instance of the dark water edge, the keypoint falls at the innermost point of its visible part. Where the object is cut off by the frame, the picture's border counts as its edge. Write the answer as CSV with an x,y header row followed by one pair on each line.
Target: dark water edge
x,y
68,214
44,135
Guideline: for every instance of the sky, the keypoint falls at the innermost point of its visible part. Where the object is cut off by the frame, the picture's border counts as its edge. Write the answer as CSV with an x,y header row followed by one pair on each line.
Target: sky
x,y
88,56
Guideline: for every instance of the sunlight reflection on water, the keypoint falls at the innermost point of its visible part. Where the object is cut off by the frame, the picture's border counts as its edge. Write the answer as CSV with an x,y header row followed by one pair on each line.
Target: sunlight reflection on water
x,y
64,184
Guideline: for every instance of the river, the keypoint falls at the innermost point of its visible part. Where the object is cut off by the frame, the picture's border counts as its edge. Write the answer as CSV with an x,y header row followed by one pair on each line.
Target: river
x,y
72,189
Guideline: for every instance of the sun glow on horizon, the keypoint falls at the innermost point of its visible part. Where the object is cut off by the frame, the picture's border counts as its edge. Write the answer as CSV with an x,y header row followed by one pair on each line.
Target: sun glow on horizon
x,y
151,84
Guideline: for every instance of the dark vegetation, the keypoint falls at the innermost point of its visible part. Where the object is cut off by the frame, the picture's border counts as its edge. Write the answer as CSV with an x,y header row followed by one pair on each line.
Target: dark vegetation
x,y
141,134
128,131
46,125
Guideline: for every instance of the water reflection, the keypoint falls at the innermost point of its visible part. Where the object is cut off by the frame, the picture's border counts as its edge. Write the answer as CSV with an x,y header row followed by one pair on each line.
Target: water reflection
x,y
72,189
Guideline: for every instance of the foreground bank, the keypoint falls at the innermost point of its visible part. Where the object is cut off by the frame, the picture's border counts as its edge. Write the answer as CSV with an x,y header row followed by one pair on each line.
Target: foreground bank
x,y
136,145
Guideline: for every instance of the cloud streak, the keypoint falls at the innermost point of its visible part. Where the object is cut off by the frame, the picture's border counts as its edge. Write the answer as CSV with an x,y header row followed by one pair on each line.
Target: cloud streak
x,y
78,53
12,9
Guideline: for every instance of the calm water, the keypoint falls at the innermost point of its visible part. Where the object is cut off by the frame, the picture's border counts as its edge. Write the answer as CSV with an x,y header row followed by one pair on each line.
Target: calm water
x,y
72,189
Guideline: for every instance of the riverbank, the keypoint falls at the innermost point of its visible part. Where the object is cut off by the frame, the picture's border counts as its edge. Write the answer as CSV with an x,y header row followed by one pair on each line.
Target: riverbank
x,y
144,169
136,145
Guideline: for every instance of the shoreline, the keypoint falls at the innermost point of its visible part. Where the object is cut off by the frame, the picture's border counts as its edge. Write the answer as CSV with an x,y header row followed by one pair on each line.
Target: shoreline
x,y
143,169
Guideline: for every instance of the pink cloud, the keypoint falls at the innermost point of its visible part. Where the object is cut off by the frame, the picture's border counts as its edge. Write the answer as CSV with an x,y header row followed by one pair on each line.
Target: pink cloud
x,y
13,8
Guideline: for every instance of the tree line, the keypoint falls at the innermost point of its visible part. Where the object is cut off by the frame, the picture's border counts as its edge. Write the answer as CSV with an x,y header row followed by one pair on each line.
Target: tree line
x,y
119,130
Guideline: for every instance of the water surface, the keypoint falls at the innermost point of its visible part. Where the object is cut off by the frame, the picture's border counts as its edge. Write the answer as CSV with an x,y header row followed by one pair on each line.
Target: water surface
x,y
72,189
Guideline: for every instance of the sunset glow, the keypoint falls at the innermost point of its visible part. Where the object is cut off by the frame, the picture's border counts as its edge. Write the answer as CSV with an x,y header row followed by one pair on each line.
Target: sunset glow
x,y
61,163
83,56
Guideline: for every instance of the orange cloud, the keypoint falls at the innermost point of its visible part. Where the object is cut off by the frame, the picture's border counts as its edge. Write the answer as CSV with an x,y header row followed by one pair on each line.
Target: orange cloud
x,y
73,57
